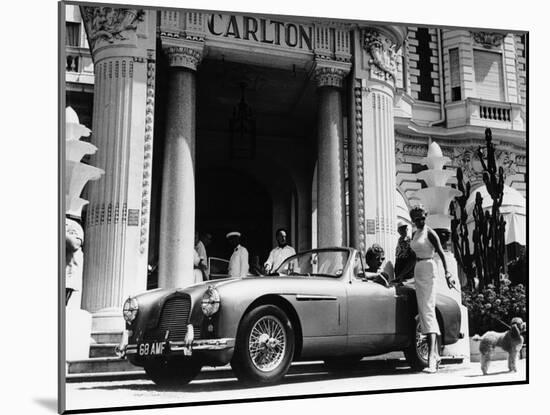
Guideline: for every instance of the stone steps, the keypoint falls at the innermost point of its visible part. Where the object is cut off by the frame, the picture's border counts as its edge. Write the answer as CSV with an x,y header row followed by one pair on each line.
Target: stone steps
x,y
99,365
103,350
107,337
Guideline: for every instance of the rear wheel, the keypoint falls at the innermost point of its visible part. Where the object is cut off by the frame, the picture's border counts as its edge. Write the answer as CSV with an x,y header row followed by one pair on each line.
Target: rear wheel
x,y
264,347
174,372
417,352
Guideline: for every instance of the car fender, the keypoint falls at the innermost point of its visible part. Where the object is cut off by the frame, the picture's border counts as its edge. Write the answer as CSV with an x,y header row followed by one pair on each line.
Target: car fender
x,y
448,311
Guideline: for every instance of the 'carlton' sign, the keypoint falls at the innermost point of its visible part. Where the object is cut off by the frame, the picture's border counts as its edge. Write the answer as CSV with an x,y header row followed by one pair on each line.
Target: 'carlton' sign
x,y
261,30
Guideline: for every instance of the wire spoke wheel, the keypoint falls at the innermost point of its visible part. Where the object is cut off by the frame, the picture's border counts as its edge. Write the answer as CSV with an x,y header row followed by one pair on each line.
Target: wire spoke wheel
x,y
264,347
267,343
418,350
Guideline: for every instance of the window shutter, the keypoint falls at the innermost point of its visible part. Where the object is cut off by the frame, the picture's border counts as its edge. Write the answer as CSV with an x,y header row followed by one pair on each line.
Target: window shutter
x,y
455,74
72,34
489,76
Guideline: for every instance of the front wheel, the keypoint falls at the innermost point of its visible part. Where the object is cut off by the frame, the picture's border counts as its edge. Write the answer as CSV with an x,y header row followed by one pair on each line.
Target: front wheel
x,y
417,352
264,347
174,372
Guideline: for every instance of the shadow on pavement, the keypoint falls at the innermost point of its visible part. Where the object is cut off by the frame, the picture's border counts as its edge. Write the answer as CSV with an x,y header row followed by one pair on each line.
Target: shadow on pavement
x,y
502,372
297,374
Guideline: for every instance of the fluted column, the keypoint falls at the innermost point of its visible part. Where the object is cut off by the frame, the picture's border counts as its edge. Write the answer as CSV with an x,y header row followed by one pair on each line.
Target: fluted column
x,y
330,173
122,42
177,220
372,142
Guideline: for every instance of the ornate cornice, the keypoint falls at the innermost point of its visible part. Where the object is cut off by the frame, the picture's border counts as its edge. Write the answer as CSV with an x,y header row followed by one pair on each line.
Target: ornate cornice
x,y
107,24
184,57
382,52
488,39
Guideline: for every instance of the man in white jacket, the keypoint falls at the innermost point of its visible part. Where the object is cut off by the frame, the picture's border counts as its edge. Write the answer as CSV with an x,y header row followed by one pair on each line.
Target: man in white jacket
x,y
280,252
238,263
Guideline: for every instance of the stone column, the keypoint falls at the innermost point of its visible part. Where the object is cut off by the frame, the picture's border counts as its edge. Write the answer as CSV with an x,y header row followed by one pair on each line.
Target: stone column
x,y
122,42
330,173
177,220
372,142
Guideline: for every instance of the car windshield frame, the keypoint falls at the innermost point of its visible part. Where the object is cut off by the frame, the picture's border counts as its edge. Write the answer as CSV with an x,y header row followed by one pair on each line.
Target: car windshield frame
x,y
301,267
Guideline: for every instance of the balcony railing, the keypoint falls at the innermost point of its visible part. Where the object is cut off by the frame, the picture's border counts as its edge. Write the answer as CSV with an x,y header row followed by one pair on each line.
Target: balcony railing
x,y
480,112
491,112
79,66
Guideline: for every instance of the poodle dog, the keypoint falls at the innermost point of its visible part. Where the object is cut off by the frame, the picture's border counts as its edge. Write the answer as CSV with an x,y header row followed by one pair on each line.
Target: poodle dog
x,y
510,341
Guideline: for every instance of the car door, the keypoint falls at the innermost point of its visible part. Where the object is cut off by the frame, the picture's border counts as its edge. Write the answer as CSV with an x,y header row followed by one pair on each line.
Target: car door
x,y
371,311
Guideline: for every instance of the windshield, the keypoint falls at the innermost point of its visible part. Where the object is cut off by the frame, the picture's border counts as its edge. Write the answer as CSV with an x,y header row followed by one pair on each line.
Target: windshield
x,y
315,263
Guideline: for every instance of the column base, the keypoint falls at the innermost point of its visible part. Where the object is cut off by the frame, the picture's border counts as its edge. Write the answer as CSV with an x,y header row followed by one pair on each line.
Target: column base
x,y
108,320
78,330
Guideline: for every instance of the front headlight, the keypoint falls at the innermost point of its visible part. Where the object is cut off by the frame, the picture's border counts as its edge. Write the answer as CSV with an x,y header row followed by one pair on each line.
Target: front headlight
x,y
210,301
130,309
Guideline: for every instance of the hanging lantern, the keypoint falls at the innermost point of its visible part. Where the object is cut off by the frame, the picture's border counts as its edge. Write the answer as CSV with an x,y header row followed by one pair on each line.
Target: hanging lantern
x,y
242,126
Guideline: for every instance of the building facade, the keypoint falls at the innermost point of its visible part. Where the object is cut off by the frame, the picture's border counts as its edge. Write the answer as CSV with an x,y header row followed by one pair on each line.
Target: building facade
x,y
218,122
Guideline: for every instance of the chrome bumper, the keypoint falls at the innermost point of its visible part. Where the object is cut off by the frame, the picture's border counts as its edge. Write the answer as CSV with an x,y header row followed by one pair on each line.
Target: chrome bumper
x,y
185,347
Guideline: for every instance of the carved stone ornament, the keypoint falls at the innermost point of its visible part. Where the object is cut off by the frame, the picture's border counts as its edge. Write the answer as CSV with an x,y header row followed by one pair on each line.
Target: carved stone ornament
x,y
488,39
382,52
327,76
184,57
507,160
468,161
109,24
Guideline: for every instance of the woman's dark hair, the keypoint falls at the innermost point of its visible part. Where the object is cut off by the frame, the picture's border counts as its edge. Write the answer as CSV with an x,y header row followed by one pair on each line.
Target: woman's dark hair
x,y
374,251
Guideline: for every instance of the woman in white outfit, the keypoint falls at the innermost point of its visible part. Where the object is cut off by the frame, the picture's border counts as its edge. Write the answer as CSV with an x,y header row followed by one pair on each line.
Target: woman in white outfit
x,y
425,243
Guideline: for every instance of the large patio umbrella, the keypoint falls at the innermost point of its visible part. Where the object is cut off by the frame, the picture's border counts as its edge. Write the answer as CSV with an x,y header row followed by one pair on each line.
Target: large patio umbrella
x,y
512,209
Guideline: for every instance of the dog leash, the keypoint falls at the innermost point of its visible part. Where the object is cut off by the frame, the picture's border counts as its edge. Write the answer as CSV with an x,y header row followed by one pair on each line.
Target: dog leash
x,y
502,322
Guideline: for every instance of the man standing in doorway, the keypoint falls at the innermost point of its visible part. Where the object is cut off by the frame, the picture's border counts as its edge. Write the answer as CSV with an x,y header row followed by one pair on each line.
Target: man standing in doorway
x,y
200,246
280,252
238,263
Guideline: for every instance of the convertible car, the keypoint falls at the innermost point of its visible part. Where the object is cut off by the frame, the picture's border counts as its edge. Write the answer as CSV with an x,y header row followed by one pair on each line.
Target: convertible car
x,y
319,304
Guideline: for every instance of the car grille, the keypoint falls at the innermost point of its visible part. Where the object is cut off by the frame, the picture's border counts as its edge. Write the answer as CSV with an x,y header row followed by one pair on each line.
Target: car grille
x,y
175,317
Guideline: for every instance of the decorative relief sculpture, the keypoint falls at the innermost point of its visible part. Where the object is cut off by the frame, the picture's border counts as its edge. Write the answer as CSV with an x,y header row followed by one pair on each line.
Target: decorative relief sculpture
x,y
399,153
507,160
109,24
468,161
488,39
382,52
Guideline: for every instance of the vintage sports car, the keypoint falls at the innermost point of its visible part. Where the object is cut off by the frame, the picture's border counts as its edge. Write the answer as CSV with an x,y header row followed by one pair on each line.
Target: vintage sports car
x,y
317,305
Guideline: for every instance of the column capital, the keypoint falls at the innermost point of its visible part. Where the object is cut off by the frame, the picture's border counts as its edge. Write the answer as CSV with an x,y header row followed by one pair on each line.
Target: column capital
x,y
331,73
183,53
111,26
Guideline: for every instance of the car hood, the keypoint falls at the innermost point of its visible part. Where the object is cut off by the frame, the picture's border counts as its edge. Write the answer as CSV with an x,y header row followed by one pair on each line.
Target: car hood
x,y
270,283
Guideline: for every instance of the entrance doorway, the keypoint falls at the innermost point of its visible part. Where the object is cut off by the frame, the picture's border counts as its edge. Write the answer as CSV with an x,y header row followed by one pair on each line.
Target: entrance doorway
x,y
229,200
259,191
269,186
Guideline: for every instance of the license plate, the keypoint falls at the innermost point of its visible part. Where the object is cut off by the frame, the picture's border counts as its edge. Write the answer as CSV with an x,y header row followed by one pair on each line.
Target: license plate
x,y
151,349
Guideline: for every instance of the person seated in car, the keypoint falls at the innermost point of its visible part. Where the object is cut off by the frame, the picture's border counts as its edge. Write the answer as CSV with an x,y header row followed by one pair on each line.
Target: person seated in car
x,y
374,258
